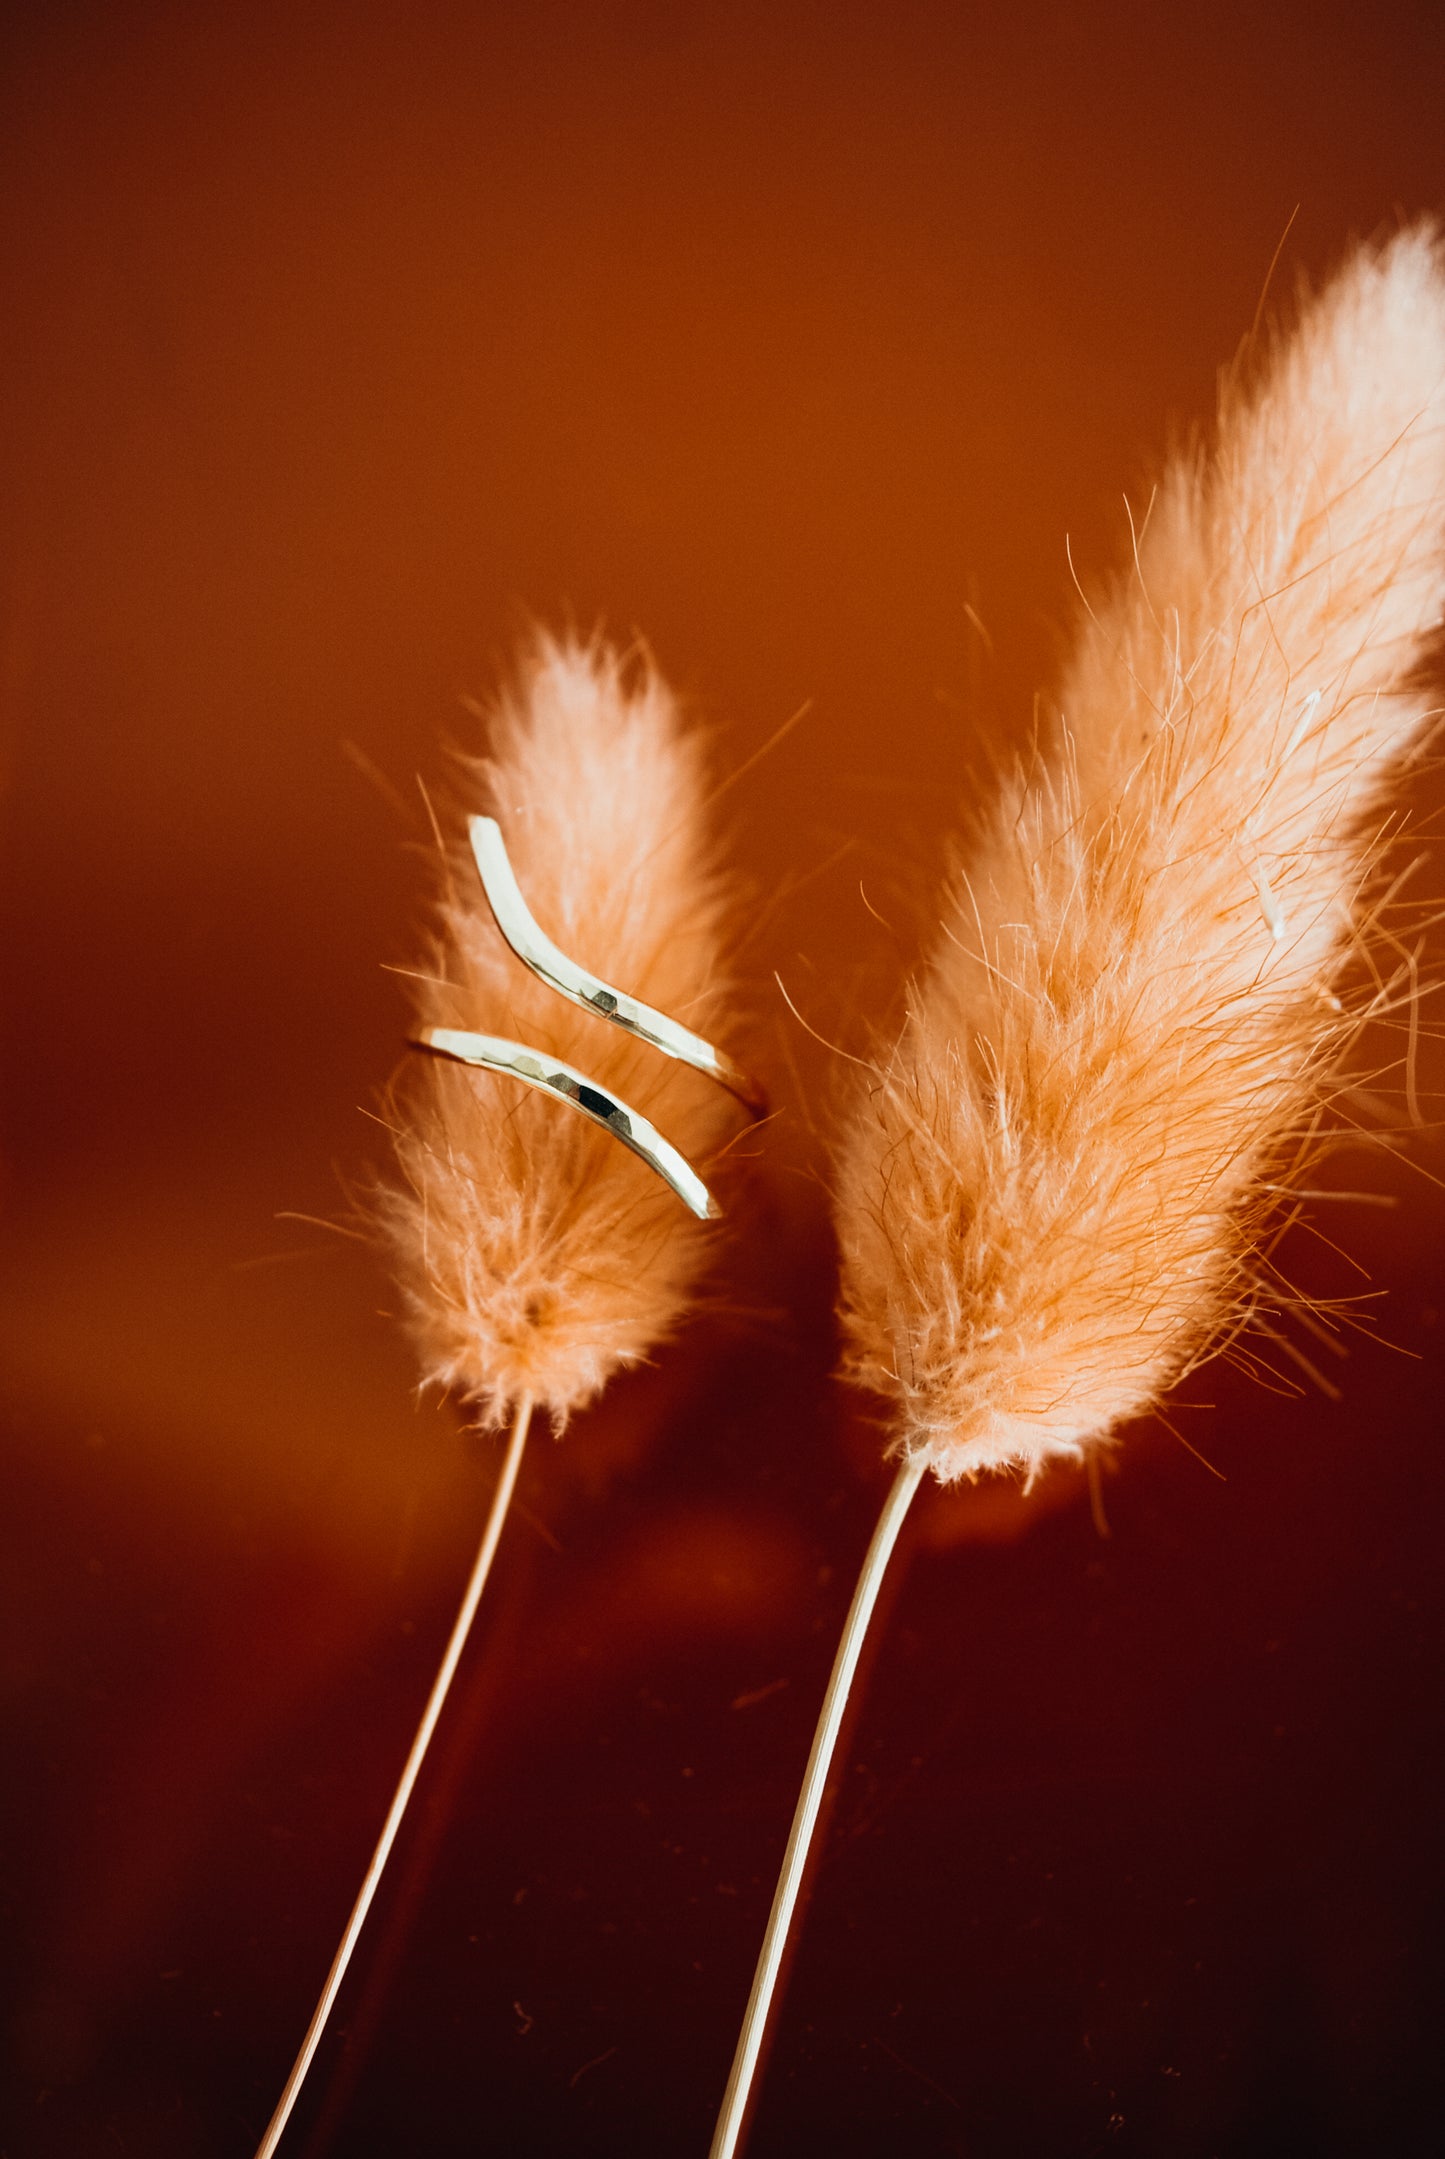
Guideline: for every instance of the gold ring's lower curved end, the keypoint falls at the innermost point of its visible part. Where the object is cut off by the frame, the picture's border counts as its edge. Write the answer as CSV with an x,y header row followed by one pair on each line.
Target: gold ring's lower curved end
x,y
514,1060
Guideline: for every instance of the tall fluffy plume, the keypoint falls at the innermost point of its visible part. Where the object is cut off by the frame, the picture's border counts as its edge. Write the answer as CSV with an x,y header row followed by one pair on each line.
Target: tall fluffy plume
x,y
535,1253
1050,1193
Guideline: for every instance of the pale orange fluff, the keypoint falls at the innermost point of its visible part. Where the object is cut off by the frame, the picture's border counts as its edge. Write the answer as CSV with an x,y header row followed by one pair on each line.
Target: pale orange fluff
x,y
1050,1193
535,1253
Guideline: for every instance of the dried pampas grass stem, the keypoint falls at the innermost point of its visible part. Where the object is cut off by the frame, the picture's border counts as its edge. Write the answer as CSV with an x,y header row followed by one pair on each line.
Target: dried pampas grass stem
x,y
1053,1189
441,1687
537,1255
810,1799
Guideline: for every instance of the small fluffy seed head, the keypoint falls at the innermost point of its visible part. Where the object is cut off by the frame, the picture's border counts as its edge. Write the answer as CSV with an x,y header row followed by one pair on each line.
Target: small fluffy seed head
x,y
1050,1192
536,1255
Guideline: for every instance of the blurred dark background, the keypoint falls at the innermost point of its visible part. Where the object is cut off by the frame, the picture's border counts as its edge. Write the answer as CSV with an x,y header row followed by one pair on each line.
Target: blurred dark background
x,y
336,344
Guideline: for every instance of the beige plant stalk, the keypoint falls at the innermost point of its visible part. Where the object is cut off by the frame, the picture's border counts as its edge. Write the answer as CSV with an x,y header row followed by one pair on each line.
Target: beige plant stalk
x,y
535,1254
1051,1191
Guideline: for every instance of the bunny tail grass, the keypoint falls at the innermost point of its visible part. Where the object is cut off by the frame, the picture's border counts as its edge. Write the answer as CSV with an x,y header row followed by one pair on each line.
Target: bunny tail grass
x,y
1053,1195
810,1799
535,1255
501,1501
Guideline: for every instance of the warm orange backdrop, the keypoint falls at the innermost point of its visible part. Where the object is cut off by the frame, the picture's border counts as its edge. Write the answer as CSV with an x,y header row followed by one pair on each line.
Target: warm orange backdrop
x,y
336,343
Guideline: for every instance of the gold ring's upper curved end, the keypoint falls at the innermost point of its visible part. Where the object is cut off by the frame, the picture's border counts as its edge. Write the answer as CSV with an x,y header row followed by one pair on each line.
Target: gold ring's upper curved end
x,y
742,1086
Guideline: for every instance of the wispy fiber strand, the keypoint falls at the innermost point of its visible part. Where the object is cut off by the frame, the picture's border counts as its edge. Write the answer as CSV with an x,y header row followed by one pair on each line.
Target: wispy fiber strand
x,y
1049,1194
535,1254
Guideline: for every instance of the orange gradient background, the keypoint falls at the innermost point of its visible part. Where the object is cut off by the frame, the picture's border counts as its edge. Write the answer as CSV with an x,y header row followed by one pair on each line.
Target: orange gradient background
x,y
336,346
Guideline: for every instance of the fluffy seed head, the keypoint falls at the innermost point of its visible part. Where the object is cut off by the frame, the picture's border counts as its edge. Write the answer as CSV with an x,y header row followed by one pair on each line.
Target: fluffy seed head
x,y
1049,1193
535,1253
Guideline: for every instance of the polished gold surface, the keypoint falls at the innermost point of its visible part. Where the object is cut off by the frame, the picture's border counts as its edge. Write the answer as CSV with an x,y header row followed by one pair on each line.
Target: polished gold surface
x,y
550,1075
551,965
493,1053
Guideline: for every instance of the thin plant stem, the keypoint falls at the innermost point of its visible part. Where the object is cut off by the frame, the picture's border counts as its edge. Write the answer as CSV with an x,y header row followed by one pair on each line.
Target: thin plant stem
x,y
810,1798
501,1500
